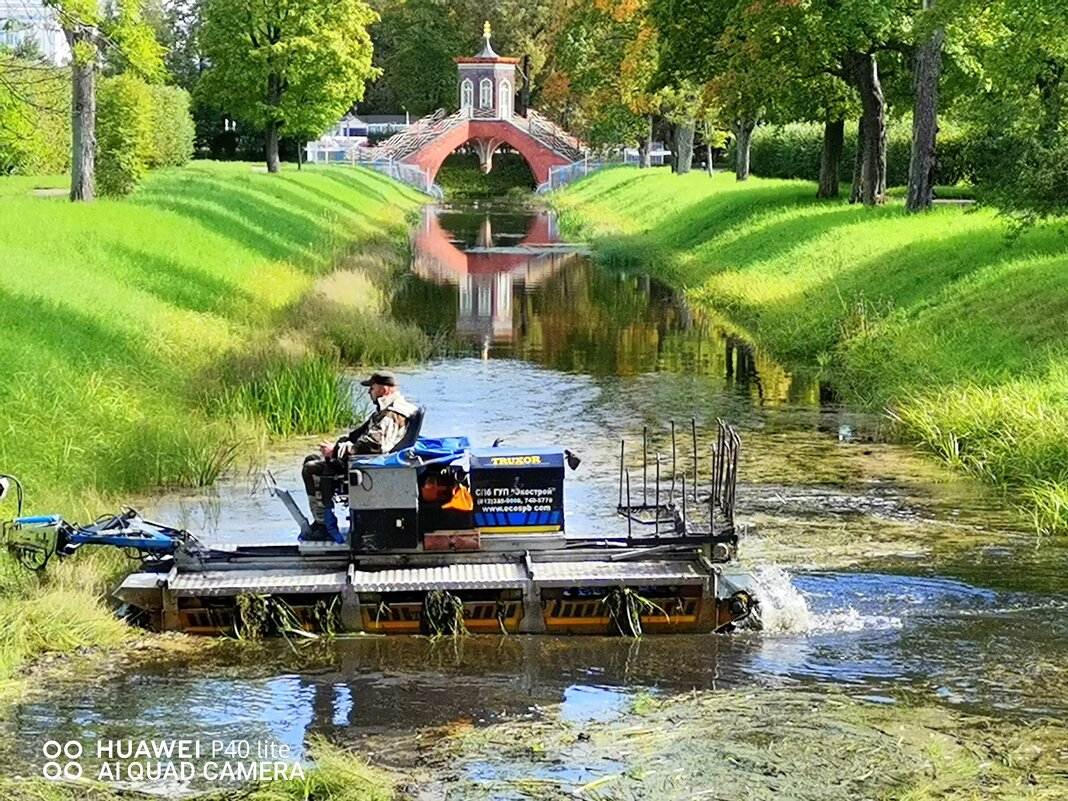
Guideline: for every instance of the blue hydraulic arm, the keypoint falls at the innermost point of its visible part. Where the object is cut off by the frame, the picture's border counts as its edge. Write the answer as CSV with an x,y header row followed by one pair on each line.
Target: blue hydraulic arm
x,y
34,540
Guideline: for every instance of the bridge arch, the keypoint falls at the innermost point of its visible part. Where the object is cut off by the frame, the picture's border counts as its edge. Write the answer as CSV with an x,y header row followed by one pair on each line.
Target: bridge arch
x,y
488,135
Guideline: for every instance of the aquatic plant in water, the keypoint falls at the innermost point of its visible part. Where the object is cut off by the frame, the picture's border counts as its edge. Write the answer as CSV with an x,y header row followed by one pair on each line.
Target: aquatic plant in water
x,y
260,616
443,613
625,608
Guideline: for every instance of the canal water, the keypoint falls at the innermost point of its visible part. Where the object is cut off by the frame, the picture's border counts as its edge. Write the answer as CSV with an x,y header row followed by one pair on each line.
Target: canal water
x,y
884,576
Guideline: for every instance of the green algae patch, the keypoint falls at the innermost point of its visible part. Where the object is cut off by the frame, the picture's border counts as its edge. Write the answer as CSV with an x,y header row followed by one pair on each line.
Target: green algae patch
x,y
764,744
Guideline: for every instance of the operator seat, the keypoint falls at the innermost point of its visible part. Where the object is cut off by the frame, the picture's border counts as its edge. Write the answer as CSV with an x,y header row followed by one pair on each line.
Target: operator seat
x,y
411,433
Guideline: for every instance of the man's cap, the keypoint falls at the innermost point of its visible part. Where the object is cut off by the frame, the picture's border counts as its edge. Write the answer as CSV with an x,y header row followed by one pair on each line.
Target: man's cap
x,y
383,377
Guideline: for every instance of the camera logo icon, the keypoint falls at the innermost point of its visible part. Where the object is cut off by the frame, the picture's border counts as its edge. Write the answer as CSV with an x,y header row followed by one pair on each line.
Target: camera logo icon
x,y
62,761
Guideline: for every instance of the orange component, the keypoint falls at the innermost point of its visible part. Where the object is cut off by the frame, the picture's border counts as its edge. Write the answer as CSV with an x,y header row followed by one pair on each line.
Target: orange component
x,y
461,499
435,490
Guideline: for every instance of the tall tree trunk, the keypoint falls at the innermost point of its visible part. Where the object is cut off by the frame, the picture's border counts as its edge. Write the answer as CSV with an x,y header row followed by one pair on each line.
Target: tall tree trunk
x,y
743,133
273,162
645,149
1050,94
524,92
708,159
274,100
83,116
831,159
684,147
300,157
858,162
927,69
873,167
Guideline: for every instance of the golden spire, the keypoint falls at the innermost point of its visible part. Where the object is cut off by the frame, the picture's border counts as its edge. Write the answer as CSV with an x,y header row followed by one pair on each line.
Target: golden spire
x,y
486,30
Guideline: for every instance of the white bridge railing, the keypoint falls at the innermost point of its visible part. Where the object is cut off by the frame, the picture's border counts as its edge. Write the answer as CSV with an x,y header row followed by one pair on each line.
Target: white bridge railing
x,y
409,174
338,151
561,176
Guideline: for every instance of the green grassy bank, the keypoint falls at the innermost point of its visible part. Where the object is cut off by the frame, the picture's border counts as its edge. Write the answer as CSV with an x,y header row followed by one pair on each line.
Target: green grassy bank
x,y
158,340
955,328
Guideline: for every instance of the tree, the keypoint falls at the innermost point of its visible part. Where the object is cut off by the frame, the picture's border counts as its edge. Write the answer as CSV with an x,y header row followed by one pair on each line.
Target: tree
x,y
177,25
927,70
93,31
300,63
595,79
637,74
781,50
416,42
707,45
1014,54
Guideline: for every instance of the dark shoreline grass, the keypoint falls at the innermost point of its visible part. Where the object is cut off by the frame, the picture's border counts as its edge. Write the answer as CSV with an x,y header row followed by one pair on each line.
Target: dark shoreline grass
x,y
944,320
158,340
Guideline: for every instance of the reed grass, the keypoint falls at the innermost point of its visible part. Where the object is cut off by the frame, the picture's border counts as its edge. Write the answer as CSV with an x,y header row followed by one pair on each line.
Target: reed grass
x,y
339,774
291,396
59,611
943,319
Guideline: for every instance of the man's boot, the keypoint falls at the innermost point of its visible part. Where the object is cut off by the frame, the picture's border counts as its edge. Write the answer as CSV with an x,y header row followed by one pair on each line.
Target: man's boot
x,y
320,531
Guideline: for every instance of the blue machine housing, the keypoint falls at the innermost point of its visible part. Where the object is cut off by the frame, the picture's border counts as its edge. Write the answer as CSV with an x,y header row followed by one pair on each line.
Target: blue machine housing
x,y
518,490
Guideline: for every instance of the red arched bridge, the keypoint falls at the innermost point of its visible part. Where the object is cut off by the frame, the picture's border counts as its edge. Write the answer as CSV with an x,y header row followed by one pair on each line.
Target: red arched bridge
x,y
487,120
430,140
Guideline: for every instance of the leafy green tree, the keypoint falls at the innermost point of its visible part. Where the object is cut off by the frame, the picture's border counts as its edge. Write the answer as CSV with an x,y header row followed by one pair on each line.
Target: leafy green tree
x,y
295,63
177,24
706,45
34,116
1014,56
594,83
416,43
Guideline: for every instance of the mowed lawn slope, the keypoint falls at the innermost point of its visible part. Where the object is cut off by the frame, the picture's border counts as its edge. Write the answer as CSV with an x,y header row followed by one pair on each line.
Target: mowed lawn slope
x,y
955,327
153,340
113,312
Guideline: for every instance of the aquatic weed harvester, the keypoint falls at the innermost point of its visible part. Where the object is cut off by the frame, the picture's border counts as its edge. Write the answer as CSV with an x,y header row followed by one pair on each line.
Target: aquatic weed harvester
x,y
443,536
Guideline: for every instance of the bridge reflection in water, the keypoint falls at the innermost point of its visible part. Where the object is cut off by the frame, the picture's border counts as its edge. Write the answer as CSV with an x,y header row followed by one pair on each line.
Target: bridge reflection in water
x,y
499,282
492,258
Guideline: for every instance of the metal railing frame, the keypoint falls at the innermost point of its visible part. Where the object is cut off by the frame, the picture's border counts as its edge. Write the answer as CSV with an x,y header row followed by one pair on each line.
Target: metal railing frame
x,y
564,174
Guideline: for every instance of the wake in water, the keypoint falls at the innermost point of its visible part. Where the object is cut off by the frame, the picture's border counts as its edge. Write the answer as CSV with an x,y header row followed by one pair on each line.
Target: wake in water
x,y
784,609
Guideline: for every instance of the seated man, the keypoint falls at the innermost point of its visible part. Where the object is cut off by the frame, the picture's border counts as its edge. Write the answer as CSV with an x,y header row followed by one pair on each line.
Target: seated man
x,y
380,433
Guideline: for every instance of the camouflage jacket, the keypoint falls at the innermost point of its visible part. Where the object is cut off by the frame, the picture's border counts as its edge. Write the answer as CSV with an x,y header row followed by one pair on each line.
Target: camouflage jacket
x,y
386,426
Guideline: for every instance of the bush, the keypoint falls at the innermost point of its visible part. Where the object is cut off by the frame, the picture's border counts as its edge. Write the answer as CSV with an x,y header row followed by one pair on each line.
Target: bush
x,y
123,133
34,118
794,150
172,127
461,176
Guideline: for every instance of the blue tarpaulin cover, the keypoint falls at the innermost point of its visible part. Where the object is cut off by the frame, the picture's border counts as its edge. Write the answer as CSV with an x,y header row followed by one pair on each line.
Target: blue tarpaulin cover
x,y
427,449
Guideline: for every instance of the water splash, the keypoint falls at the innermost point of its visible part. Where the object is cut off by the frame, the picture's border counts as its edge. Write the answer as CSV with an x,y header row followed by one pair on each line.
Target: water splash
x,y
783,609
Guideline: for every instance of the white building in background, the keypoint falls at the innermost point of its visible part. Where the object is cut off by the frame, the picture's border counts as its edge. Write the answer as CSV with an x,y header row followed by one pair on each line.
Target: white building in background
x,y
352,131
23,20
